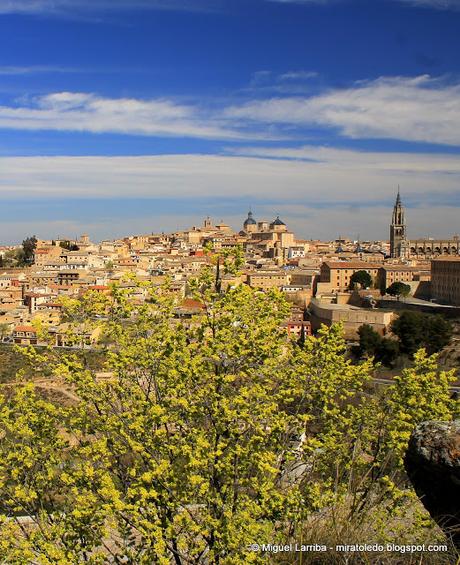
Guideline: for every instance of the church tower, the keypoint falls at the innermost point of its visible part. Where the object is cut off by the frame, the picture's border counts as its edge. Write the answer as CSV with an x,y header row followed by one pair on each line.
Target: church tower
x,y
398,242
250,225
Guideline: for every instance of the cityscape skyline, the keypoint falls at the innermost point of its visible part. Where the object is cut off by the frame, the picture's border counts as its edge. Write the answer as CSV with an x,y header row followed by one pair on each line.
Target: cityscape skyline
x,y
122,117
240,223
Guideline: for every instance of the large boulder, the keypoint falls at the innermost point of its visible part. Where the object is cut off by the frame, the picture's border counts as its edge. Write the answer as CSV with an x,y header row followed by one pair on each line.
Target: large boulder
x,y
432,462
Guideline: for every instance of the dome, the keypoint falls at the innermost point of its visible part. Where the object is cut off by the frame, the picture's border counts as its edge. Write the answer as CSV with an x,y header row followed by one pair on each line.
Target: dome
x,y
250,220
278,222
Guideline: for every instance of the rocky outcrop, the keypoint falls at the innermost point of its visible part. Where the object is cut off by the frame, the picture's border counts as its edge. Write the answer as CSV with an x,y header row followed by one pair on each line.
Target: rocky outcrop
x,y
433,464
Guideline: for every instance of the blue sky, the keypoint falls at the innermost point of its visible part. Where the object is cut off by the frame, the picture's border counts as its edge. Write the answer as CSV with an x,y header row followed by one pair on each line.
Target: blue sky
x,y
129,116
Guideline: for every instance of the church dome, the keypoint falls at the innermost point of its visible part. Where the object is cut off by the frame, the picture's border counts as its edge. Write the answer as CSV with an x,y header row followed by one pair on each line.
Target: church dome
x,y
278,222
250,220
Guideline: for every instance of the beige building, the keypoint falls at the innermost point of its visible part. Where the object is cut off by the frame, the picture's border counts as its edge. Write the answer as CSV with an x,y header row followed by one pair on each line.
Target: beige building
x,y
47,253
336,275
267,280
432,247
273,234
445,280
352,317
390,274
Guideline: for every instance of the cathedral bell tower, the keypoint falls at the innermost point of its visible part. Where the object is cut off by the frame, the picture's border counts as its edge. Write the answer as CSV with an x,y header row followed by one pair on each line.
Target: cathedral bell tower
x,y
398,243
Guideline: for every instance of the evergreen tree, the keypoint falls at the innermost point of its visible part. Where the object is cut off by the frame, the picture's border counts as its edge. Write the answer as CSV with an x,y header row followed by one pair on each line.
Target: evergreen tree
x,y
398,289
362,278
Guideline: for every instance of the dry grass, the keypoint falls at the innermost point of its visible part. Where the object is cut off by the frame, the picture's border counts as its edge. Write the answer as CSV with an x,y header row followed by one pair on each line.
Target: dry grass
x,y
402,528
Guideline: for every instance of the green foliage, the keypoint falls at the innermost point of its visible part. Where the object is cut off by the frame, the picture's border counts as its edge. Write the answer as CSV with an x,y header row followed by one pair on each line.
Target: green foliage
x,y
69,245
206,437
420,393
26,254
416,330
362,278
372,344
369,340
12,258
398,289
21,256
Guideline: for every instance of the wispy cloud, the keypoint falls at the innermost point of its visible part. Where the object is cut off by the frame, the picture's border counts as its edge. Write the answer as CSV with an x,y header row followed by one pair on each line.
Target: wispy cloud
x,y
76,7
37,69
346,159
414,109
73,111
289,82
419,109
305,1
439,4
343,175
355,195
298,75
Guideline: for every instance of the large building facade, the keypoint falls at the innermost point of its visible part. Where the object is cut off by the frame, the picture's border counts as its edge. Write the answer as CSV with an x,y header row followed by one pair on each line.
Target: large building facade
x,y
402,248
445,280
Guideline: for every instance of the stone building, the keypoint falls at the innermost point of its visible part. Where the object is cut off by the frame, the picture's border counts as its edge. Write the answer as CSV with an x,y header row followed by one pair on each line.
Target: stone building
x,y
424,248
352,317
445,280
399,247
336,275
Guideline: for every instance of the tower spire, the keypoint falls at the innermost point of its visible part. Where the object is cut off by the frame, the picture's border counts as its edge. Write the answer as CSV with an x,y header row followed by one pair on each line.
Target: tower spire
x,y
398,243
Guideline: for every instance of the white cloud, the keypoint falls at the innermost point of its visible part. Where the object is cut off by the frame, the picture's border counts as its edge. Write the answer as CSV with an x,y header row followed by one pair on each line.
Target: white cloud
x,y
35,69
298,75
287,83
75,7
411,109
305,1
345,159
73,111
414,109
439,4
330,177
320,192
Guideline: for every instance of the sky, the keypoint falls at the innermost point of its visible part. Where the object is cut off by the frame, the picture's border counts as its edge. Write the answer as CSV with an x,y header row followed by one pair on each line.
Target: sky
x,y
136,116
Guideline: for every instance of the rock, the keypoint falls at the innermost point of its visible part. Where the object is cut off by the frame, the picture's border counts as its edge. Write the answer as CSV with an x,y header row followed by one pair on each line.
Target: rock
x,y
432,462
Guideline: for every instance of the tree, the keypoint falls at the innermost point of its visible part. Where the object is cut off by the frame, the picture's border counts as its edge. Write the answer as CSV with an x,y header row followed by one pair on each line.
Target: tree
x,y
416,330
26,254
69,245
398,289
372,344
362,278
11,257
207,437
388,352
369,340
421,393
182,447
439,334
